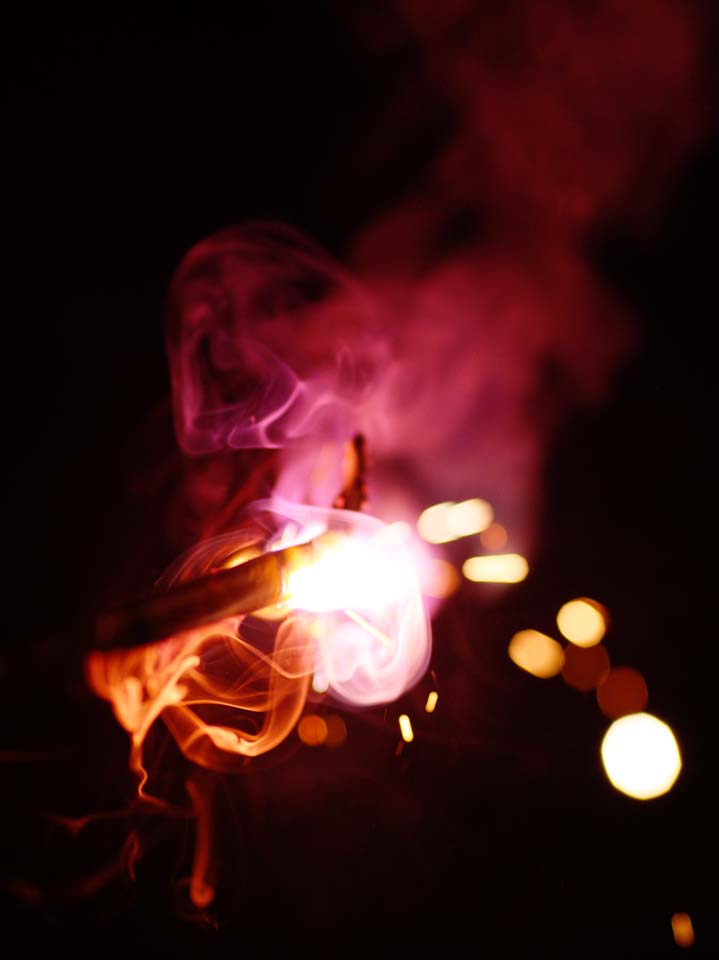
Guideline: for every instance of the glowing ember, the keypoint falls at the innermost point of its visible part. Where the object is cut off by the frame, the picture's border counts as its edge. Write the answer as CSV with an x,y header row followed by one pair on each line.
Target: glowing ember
x,y
536,653
496,568
583,621
405,727
641,756
431,703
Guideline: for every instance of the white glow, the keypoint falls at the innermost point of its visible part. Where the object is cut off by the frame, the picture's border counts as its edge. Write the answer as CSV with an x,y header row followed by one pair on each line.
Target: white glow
x,y
641,756
358,600
348,573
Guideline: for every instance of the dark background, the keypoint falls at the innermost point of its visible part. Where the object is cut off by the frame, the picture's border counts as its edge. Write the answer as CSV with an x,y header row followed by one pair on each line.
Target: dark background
x,y
496,831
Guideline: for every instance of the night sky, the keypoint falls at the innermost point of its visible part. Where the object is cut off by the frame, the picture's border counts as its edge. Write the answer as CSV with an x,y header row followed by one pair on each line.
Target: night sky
x,y
496,831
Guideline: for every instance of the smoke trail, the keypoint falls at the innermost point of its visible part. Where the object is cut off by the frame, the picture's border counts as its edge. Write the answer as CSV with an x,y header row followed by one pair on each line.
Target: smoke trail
x,y
469,318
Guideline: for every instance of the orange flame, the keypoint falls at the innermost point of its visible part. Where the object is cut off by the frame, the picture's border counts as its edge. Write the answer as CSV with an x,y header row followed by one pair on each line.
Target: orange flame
x,y
235,689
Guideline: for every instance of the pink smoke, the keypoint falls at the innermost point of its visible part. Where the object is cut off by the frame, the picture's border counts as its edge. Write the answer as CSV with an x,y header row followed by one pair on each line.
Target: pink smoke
x,y
468,319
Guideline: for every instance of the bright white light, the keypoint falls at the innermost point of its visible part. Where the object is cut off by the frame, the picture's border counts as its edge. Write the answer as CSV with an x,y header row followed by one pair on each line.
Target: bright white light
x,y
641,756
350,573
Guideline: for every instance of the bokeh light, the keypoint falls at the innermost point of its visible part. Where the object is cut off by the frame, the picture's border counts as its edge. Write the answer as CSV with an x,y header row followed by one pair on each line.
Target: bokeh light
x,y
622,691
496,568
449,520
494,537
336,730
433,523
683,930
439,578
312,730
469,517
641,756
536,653
431,703
585,667
583,621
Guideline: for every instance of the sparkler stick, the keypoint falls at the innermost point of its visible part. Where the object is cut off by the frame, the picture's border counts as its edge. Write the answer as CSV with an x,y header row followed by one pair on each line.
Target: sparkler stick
x,y
250,586
253,585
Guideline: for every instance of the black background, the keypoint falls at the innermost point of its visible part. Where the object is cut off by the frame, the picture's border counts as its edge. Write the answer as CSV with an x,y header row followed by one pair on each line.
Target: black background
x,y
496,832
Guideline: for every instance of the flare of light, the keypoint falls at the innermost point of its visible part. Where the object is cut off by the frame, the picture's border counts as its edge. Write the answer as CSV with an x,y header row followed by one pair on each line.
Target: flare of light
x,y
585,667
469,517
641,756
405,727
583,621
431,703
496,568
536,653
433,523
683,929
622,691
312,730
348,573
494,537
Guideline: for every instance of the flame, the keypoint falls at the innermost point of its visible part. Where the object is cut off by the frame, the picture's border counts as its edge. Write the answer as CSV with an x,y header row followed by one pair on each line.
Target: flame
x,y
354,617
352,624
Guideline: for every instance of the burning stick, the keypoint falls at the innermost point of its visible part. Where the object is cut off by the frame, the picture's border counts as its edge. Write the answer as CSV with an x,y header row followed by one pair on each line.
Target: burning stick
x,y
354,491
253,585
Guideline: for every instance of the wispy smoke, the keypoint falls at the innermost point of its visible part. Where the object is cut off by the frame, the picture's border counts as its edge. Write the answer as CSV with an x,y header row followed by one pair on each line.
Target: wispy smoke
x,y
468,319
